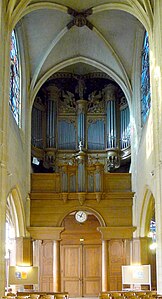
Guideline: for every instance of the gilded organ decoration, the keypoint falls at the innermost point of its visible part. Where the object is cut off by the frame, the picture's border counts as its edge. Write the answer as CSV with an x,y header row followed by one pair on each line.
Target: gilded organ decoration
x,y
67,102
96,103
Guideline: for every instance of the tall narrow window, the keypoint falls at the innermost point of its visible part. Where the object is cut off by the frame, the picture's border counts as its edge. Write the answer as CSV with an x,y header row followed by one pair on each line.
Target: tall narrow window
x,y
152,233
145,81
14,101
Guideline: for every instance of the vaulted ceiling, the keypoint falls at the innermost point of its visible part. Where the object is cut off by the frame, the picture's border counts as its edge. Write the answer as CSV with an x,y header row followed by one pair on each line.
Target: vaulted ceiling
x,y
82,36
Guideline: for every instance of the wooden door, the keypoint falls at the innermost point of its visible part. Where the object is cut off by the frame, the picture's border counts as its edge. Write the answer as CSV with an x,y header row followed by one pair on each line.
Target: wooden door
x,y
46,266
91,270
81,270
71,269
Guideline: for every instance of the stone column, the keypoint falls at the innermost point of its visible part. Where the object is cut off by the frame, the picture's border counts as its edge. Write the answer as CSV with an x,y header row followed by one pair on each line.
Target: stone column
x,y
2,227
56,266
156,92
4,109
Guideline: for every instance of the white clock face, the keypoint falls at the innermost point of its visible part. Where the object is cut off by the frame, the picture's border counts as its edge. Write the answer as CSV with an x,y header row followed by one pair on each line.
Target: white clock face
x,y
81,216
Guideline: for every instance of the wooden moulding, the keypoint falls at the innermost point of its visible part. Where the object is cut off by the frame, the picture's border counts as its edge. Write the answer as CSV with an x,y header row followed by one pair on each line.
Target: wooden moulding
x,y
45,233
116,232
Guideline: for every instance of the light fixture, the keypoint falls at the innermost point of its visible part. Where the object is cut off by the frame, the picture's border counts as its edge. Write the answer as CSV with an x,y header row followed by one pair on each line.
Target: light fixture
x,y
81,240
153,246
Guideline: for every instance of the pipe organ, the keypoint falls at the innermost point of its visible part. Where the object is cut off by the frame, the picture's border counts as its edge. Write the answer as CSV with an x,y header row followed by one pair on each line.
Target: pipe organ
x,y
79,123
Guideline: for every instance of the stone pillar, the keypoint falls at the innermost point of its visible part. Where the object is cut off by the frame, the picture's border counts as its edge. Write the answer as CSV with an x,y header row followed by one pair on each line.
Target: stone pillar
x,y
4,109
156,92
56,266
104,265
2,228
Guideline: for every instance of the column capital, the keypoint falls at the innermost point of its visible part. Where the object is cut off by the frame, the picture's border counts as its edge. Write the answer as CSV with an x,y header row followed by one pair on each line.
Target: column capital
x,y
45,233
116,232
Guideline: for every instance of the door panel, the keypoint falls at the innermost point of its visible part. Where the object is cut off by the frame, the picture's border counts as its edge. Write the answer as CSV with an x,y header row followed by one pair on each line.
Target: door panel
x,y
46,266
91,270
71,269
81,270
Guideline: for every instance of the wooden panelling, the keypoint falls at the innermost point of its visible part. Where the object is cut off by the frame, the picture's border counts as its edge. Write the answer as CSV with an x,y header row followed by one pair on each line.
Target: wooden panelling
x,y
50,182
117,182
74,231
24,252
46,212
109,218
116,255
46,266
49,207
42,182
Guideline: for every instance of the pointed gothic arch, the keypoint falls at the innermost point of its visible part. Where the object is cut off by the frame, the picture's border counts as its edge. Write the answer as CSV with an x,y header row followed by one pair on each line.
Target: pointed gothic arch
x,y
15,212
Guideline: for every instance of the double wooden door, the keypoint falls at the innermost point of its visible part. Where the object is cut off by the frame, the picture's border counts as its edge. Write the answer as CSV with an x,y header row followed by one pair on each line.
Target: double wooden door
x,y
81,270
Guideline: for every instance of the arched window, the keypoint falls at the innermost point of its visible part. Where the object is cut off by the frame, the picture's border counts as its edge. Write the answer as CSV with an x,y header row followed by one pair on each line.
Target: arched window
x,y
152,233
145,81
15,101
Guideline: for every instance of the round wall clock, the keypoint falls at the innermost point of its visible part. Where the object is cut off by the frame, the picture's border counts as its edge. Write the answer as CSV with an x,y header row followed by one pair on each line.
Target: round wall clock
x,y
81,216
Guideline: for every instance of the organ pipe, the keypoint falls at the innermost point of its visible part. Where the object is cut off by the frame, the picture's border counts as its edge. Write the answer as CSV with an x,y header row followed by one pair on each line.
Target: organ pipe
x,y
53,96
110,98
81,122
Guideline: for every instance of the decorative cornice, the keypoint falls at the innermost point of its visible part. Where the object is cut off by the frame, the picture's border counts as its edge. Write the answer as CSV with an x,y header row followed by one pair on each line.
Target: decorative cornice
x,y
117,232
45,233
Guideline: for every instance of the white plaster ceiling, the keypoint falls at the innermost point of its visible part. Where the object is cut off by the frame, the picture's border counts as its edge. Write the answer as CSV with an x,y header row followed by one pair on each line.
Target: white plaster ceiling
x,y
107,43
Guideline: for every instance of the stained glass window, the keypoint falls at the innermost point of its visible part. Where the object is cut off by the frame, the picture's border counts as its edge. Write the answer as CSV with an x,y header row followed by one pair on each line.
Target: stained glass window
x,y
152,233
145,81
14,100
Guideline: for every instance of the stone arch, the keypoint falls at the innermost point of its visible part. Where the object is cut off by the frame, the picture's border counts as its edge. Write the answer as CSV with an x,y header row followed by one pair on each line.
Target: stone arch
x,y
15,212
75,60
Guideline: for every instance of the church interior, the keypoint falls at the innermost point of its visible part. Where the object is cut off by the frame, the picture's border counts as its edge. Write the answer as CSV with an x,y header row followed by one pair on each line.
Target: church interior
x,y
80,149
